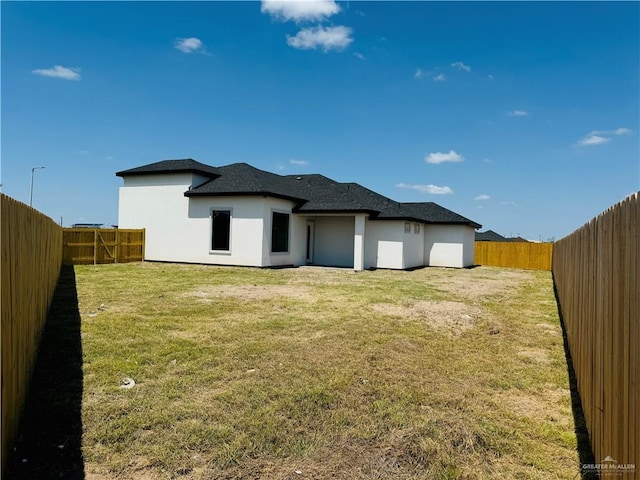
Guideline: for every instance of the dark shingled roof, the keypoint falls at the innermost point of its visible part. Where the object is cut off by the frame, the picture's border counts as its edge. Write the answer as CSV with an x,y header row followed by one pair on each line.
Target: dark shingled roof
x,y
187,165
490,236
243,179
517,239
431,212
311,193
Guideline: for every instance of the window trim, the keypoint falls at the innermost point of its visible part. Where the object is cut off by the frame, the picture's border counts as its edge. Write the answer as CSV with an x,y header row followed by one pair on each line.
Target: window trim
x,y
407,227
416,228
220,209
288,214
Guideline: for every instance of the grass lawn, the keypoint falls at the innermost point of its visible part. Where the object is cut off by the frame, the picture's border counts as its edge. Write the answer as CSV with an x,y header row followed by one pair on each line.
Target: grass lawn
x,y
322,373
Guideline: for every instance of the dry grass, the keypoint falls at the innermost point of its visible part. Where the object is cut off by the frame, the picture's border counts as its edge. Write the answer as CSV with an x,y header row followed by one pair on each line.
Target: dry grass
x,y
322,373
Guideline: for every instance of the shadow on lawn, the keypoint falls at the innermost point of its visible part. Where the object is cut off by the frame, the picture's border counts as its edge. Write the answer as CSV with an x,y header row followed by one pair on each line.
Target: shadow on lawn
x,y
585,449
50,437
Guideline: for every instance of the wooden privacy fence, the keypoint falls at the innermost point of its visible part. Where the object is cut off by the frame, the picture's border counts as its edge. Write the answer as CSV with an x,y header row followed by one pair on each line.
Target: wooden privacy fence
x,y
104,245
596,273
529,255
31,248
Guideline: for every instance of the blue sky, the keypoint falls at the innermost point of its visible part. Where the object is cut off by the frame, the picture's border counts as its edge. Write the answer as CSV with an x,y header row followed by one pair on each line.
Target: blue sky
x,y
521,116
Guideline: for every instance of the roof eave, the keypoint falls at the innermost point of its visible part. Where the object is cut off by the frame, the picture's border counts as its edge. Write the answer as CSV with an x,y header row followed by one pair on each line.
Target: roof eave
x,y
336,210
430,222
128,173
192,193
401,218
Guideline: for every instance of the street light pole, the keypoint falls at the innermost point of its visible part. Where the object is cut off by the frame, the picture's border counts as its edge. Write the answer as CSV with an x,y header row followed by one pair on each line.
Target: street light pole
x,y
31,190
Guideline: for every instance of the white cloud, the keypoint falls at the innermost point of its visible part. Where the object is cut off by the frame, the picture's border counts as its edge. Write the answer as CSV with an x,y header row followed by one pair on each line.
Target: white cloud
x,y
419,73
617,131
598,137
517,113
327,38
440,78
358,55
590,140
293,161
439,157
58,71
301,10
189,45
510,203
461,66
431,189
482,197
487,160
490,77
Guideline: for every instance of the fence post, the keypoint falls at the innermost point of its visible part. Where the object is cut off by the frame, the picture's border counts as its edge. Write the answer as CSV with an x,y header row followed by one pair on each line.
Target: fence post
x,y
116,250
95,247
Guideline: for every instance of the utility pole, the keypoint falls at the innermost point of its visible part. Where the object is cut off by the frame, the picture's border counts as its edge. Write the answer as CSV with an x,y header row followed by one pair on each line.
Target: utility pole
x,y
33,170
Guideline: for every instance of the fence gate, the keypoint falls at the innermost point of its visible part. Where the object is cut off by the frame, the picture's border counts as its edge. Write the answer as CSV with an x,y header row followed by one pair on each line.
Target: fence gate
x,y
85,246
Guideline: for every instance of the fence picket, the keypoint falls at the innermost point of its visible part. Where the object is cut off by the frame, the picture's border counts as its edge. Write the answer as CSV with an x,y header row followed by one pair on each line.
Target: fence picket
x,y
106,245
31,252
596,271
528,255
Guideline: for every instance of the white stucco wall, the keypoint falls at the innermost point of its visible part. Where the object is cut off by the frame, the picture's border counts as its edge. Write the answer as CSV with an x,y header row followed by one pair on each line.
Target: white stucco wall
x,y
413,246
157,204
383,244
333,244
449,245
178,228
297,235
246,239
469,240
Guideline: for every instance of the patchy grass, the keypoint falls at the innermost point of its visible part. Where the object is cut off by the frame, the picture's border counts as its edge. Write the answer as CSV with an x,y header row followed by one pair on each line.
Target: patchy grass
x,y
247,373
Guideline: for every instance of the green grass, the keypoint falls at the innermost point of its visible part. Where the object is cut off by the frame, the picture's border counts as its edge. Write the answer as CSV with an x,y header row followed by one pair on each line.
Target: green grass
x,y
247,373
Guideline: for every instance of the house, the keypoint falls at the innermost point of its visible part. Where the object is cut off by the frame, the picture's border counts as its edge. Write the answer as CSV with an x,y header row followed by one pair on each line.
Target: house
x,y
490,236
240,215
517,239
87,225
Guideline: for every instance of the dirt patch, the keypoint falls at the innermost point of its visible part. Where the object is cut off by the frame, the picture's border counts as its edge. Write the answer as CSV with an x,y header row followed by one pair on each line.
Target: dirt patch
x,y
324,276
548,328
481,285
208,294
536,355
547,406
454,317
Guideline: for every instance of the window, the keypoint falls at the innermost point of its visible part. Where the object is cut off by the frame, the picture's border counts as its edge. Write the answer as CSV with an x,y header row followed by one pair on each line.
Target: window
x,y
280,232
220,229
407,227
416,228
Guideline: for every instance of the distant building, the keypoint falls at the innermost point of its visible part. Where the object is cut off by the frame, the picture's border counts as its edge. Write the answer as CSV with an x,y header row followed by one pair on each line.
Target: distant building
x,y
87,225
517,239
490,236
